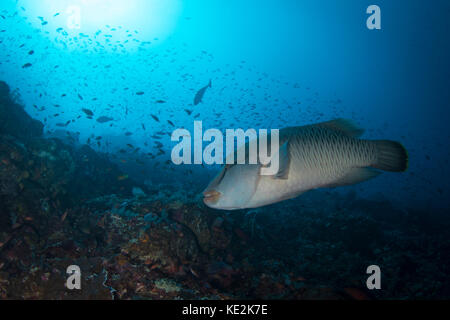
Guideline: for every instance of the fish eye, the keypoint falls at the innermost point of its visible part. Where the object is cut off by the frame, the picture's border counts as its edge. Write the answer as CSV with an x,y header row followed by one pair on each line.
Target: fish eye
x,y
224,171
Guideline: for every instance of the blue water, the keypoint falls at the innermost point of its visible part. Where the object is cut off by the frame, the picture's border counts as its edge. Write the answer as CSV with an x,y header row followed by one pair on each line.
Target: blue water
x,y
272,64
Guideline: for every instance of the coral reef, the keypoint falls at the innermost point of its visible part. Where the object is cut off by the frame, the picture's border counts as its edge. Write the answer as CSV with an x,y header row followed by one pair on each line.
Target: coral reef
x,y
62,206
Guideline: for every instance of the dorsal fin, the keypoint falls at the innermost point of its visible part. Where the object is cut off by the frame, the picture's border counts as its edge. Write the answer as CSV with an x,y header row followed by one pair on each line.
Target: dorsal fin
x,y
343,125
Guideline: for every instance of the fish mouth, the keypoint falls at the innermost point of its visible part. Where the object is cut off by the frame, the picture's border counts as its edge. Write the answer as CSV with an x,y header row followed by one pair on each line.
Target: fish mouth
x,y
211,197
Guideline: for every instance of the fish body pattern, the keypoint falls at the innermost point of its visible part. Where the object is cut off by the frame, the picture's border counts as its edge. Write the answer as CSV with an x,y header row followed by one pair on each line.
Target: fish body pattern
x,y
323,155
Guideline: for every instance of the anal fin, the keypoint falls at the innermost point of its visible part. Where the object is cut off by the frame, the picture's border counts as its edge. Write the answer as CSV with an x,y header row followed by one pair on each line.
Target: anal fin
x,y
355,175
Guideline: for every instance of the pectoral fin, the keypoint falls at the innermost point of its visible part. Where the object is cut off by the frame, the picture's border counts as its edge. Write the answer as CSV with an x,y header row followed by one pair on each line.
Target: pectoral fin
x,y
283,162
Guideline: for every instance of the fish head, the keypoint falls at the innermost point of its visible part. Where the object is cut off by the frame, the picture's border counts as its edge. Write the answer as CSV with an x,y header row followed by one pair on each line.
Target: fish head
x,y
233,187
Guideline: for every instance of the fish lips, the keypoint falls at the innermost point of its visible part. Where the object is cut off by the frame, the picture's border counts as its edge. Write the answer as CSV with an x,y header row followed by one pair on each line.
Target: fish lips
x,y
210,197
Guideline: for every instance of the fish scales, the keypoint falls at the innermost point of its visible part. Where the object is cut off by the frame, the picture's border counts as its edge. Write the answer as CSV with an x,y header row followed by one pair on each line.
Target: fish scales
x,y
322,155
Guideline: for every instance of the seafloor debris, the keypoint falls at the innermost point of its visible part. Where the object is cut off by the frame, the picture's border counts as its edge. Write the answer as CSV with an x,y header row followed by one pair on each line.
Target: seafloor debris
x,y
62,206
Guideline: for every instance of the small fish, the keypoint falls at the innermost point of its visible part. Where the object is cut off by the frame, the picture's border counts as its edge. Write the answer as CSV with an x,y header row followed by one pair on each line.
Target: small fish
x,y
104,119
171,123
122,178
160,101
64,216
27,65
88,112
140,93
199,95
324,155
155,117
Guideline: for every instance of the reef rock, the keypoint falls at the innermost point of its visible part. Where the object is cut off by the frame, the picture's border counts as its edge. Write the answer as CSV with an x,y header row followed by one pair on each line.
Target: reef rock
x,y
13,118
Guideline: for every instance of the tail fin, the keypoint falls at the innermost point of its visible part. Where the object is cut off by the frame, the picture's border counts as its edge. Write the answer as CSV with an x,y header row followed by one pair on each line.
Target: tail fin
x,y
392,156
